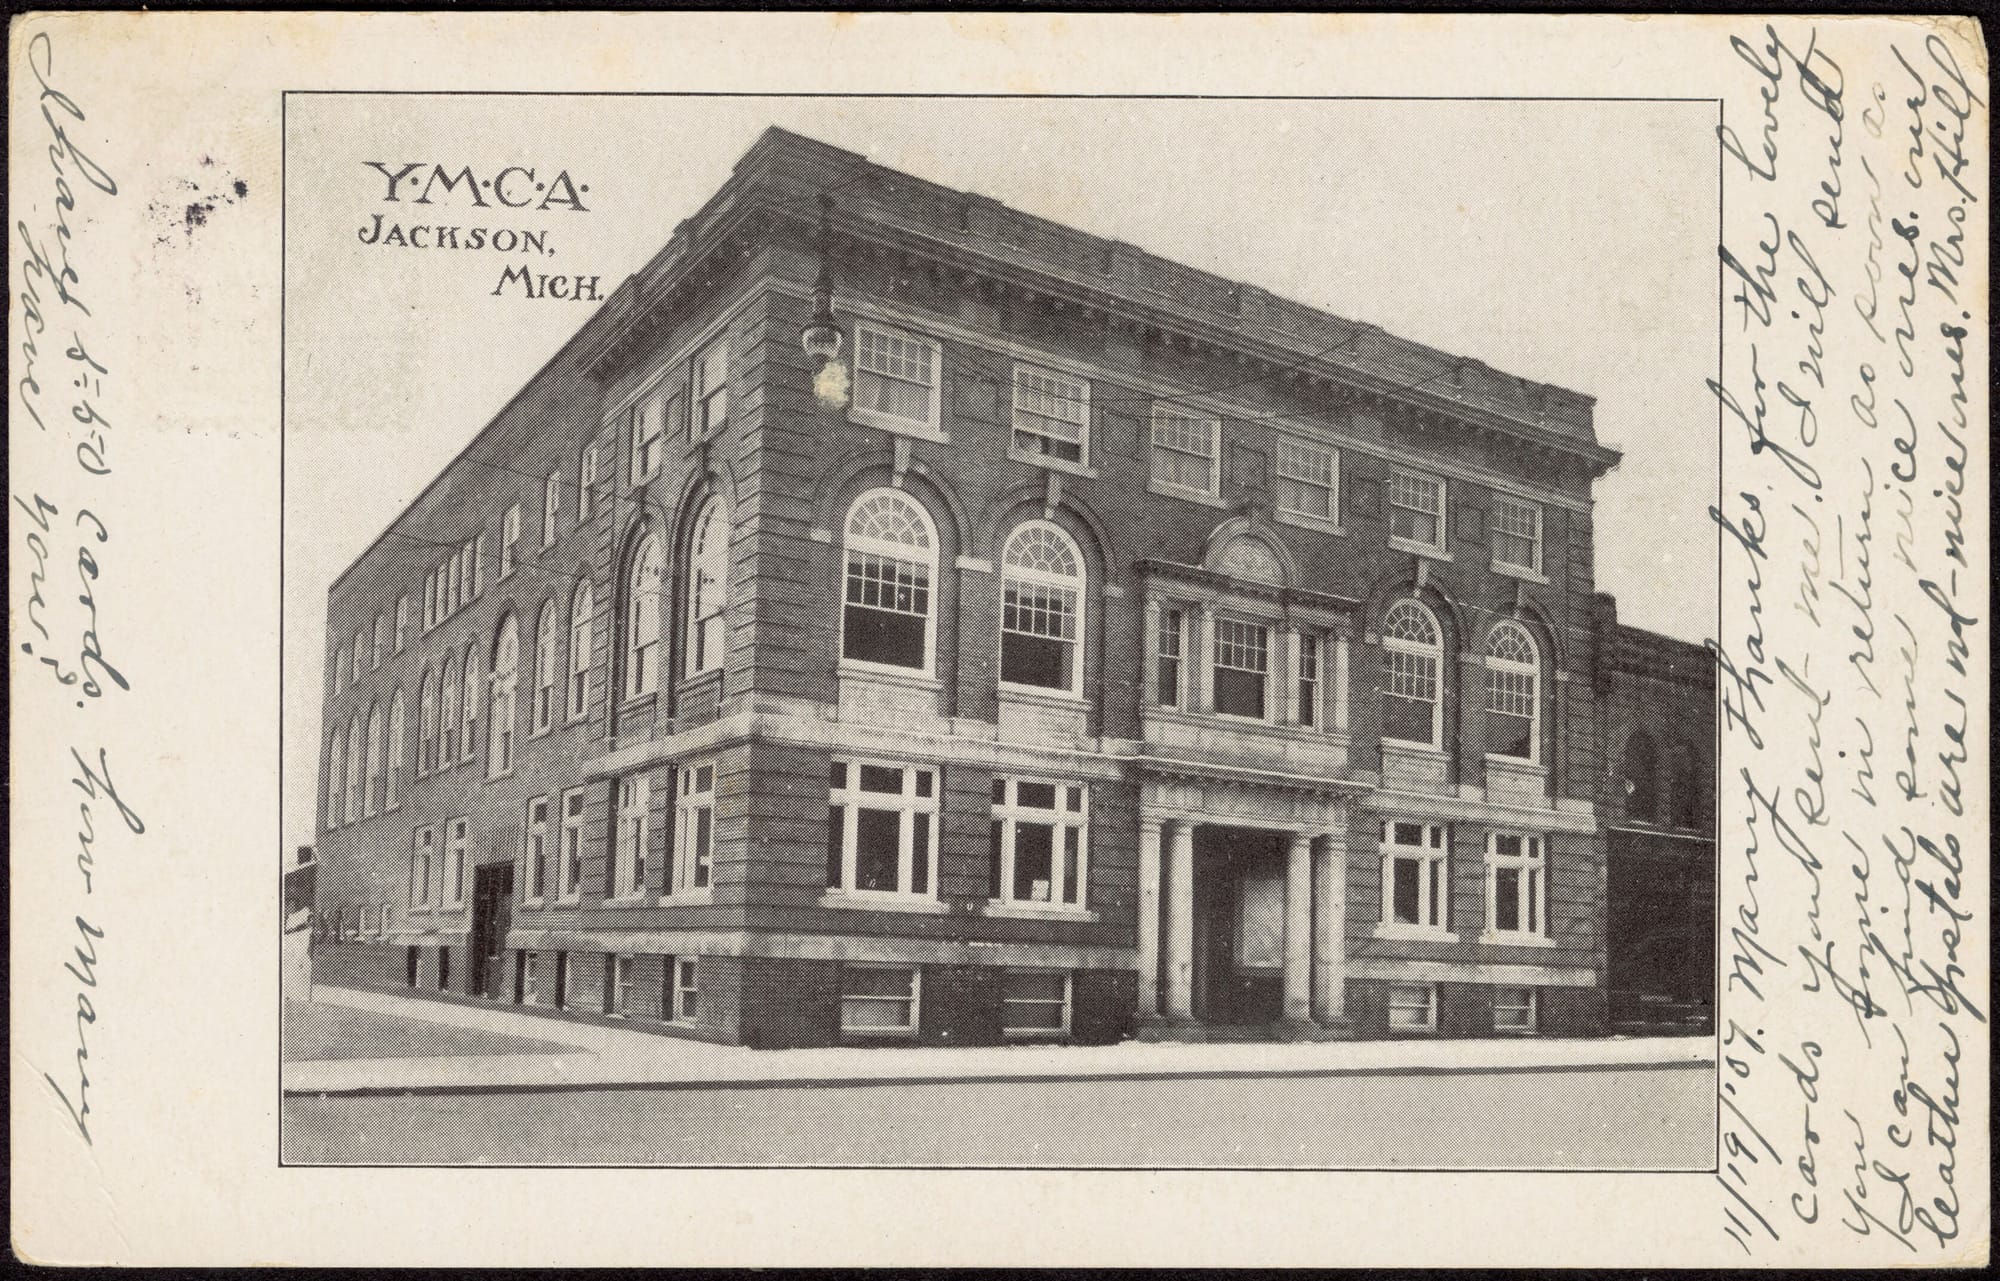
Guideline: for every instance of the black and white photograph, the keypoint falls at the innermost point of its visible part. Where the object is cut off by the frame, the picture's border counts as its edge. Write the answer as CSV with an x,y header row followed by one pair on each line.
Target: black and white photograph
x,y
999,632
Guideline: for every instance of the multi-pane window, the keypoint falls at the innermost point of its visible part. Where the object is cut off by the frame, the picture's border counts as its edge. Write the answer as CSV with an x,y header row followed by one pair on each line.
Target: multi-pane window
x,y
402,621
1051,414
649,418
426,724
545,667
694,819
1513,695
881,828
351,810
1416,509
470,568
1309,680
1041,619
1034,1002
1516,527
569,869
530,987
1517,885
551,504
1242,668
430,600
1308,483
582,610
372,796
392,782
537,854
422,852
1412,1007
628,867
878,999
1185,449
448,715
510,533
890,564
1041,842
1416,888
454,862
684,999
710,401
619,996
642,619
1513,1009
468,737
376,640
502,683
895,379
707,588
586,480
1169,649
1412,711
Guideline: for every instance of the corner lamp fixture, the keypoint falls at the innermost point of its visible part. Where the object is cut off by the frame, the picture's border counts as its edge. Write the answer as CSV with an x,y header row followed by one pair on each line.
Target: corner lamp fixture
x,y
821,337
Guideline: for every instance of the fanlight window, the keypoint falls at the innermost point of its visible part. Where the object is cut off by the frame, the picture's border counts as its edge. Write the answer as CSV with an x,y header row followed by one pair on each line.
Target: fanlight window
x,y
707,588
890,564
1411,701
1041,621
1513,702
642,620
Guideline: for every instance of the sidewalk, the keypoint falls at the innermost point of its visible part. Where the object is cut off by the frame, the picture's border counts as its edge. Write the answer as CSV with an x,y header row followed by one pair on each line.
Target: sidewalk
x,y
596,1057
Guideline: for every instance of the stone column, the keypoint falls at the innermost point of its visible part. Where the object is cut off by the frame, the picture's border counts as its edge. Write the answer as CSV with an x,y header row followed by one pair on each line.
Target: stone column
x,y
1329,998
1149,918
1287,701
1339,683
1298,927
1204,658
1180,919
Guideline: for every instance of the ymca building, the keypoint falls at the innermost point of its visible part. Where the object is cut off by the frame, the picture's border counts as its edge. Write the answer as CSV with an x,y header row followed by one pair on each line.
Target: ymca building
x,y
895,617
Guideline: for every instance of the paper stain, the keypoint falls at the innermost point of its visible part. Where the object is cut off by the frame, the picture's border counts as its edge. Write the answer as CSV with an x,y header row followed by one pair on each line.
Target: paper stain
x,y
194,200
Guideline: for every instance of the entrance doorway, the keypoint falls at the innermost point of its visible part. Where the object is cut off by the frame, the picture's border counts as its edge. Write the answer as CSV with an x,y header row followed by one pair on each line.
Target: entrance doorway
x,y
492,910
1239,925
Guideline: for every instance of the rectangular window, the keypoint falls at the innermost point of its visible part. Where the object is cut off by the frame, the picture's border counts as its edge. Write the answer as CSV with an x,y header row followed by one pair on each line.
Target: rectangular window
x,y
648,429
579,658
1410,711
1242,668
1513,1009
1041,842
1171,644
538,849
422,851
878,999
1516,885
454,863
1051,414
444,969
686,996
510,533
1416,883
402,621
1035,1003
887,612
551,504
586,480
694,843
1517,533
1185,449
569,870
1416,509
562,980
621,985
1308,680
882,828
895,379
1412,1007
629,868
711,391
1510,710
530,962
1308,483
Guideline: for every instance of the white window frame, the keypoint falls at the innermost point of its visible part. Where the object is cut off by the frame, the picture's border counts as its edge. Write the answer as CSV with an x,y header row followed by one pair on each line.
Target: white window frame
x,y
1077,586
922,556
456,851
468,706
371,798
551,505
582,638
1309,678
1530,862
1173,621
1500,673
530,989
569,852
1415,651
707,589
1010,812
649,434
642,677
543,715
402,620
685,997
398,731
1408,478
510,533
634,794
586,479
1496,534
1399,997
708,389
375,640
423,857
1166,417
623,968
1530,1006
1067,1003
427,714
694,866
1432,855
1217,665
430,600
1073,389
503,685
932,425
914,1001
354,677
1287,468
912,811
535,855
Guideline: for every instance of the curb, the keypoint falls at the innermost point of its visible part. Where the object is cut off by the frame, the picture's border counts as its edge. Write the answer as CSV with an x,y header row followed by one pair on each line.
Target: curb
x,y
987,1078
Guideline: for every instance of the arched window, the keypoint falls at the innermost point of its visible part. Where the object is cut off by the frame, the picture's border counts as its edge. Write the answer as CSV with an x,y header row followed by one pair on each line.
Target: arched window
x,y
468,739
545,667
707,587
1513,693
375,640
356,654
372,793
393,781
1041,612
1686,796
352,809
335,766
581,609
1642,778
890,565
1412,706
642,619
447,739
426,724
506,670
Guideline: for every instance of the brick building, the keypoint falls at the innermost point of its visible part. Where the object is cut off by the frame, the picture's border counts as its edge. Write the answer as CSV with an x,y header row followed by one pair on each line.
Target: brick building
x,y
1094,647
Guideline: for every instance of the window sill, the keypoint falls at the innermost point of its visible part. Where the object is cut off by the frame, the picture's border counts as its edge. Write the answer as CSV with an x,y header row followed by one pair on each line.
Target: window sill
x,y
1050,461
505,773
1305,520
1427,550
1515,571
543,732
696,680
688,898
896,426
1516,940
1036,912
1519,764
626,900
575,718
887,674
1164,490
1403,748
634,702
1423,933
870,902
568,900
1037,694
899,1033
422,910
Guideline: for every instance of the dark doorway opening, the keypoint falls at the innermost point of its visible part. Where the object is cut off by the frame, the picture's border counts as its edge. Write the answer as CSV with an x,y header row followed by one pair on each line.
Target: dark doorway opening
x,y
1239,925
492,909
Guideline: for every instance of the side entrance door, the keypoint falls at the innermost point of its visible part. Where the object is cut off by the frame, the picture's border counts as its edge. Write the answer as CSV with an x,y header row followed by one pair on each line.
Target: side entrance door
x,y
492,910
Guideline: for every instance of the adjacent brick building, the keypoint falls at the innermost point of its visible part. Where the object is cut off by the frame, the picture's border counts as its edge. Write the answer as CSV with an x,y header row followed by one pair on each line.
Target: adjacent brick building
x,y
1093,647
